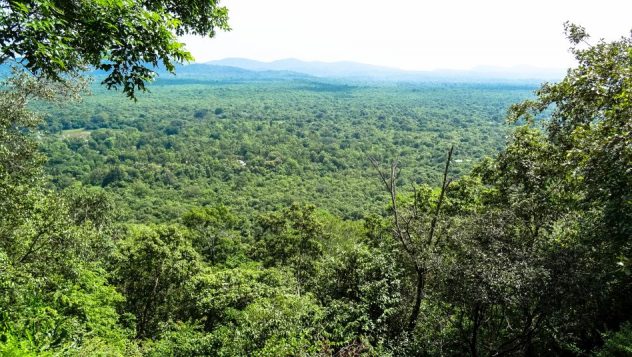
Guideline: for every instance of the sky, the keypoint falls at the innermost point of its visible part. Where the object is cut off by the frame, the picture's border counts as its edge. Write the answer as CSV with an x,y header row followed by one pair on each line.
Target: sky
x,y
412,34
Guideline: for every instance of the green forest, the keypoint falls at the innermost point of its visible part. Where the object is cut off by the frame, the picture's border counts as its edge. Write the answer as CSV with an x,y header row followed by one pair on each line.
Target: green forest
x,y
147,214
259,146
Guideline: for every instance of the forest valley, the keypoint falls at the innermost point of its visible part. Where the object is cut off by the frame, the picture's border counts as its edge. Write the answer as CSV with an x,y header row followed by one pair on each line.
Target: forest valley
x,y
311,216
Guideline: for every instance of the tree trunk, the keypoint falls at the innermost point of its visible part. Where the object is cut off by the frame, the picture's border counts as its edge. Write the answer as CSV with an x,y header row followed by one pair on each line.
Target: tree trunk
x,y
421,277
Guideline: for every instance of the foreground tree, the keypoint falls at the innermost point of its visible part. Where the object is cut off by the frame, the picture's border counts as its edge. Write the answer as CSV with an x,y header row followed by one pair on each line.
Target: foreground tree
x,y
590,131
536,259
557,226
55,296
124,38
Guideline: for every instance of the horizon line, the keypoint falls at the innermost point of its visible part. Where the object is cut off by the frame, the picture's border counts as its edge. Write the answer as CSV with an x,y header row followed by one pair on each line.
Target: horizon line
x,y
471,68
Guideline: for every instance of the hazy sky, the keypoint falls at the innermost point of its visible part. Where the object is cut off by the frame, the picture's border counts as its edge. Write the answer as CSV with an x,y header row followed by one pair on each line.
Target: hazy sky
x,y
412,34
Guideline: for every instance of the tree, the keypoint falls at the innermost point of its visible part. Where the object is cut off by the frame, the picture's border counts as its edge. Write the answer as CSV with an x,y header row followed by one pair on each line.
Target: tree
x,y
360,289
215,233
536,259
589,134
153,267
415,228
124,38
562,189
291,237
55,296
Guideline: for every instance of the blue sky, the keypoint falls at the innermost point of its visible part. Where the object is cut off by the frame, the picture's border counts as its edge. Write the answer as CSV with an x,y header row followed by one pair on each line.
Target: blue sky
x,y
409,34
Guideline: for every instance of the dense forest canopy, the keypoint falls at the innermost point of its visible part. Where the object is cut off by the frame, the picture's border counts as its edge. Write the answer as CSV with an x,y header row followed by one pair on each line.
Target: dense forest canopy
x,y
290,216
257,146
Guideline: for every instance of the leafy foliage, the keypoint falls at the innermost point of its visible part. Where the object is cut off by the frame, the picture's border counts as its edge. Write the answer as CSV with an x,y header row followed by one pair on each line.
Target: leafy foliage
x,y
124,38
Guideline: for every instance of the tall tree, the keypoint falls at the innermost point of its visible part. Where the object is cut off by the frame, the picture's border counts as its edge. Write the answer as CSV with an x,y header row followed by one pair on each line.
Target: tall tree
x,y
54,293
566,181
415,227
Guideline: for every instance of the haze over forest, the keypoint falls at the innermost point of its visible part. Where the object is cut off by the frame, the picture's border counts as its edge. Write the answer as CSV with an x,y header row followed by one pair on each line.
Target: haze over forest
x,y
354,70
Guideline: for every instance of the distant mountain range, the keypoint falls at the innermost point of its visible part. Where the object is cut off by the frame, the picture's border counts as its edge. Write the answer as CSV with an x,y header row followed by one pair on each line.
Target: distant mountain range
x,y
241,69
203,71
363,71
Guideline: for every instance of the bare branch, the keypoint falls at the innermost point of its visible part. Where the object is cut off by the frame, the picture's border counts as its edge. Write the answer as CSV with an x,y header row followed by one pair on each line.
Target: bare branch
x,y
404,224
389,182
444,187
